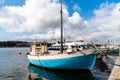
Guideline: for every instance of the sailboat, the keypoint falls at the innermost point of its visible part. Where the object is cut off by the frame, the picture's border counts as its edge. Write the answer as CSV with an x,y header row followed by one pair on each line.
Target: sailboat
x,y
40,56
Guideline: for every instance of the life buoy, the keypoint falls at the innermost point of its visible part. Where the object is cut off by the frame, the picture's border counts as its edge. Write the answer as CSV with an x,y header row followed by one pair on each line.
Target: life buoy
x,y
20,53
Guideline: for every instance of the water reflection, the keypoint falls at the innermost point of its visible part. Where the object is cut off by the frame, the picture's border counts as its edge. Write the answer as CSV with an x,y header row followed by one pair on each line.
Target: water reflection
x,y
104,66
62,74
101,72
101,65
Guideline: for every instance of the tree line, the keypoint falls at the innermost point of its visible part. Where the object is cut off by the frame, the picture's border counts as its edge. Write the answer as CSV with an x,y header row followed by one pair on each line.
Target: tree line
x,y
14,44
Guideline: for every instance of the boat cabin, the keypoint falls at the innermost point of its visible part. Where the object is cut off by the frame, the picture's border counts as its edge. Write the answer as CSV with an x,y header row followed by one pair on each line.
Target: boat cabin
x,y
38,48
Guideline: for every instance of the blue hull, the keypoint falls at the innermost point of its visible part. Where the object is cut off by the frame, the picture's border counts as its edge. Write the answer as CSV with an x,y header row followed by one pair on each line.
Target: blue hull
x,y
77,62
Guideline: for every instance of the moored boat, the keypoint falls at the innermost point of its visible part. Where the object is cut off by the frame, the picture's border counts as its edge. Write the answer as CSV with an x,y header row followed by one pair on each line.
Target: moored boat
x,y
40,56
81,44
63,59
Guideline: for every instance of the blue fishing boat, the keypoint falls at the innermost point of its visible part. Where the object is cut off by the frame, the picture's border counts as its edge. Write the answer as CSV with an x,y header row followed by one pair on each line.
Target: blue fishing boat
x,y
39,55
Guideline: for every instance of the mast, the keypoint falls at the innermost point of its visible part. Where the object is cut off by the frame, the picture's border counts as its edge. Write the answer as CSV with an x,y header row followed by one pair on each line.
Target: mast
x,y
61,48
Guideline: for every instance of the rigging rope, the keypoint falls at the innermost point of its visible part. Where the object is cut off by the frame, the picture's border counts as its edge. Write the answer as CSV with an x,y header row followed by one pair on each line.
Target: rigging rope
x,y
82,36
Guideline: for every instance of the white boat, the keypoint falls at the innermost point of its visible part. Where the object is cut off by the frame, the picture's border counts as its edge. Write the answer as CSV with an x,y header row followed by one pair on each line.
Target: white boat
x,y
80,45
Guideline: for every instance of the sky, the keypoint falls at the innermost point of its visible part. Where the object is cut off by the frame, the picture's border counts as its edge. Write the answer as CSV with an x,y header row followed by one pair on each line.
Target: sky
x,y
35,20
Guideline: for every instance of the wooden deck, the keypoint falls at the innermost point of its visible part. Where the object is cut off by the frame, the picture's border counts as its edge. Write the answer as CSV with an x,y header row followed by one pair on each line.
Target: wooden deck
x,y
115,74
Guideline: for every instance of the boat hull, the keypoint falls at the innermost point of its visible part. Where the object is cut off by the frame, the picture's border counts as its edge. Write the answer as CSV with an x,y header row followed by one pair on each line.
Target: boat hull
x,y
68,61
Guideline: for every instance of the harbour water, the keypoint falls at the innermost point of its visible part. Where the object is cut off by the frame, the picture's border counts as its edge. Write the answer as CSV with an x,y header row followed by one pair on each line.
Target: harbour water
x,y
15,66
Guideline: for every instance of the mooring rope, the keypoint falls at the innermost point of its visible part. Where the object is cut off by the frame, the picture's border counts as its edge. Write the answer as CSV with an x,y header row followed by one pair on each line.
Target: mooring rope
x,y
42,67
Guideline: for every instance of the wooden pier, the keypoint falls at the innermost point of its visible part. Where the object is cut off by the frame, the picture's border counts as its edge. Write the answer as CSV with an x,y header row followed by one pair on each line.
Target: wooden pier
x,y
115,74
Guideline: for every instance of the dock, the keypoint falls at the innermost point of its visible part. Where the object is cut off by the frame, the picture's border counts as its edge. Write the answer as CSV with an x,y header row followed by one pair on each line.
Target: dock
x,y
115,73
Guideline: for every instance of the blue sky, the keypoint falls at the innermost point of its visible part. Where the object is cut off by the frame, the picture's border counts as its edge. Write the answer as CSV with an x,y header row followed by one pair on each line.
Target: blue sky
x,y
12,2
96,20
87,6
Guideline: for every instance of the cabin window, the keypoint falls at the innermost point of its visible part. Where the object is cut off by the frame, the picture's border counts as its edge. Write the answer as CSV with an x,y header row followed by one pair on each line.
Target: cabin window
x,y
73,46
42,43
38,45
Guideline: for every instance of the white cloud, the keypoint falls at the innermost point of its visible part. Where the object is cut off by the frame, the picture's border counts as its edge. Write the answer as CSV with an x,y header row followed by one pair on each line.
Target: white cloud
x,y
34,16
75,26
106,23
49,35
76,7
37,16
40,19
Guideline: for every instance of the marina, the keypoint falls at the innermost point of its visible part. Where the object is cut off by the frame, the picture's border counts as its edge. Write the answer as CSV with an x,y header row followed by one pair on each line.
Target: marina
x,y
17,67
59,40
